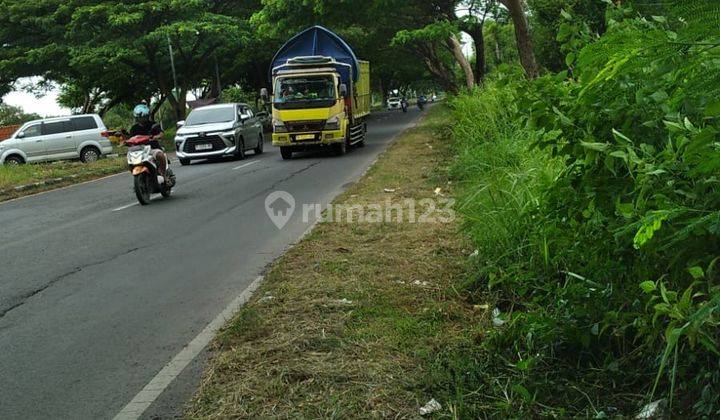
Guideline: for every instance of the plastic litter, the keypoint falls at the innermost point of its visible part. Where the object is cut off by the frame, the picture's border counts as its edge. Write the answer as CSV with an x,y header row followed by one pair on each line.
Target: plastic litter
x,y
497,321
431,407
653,410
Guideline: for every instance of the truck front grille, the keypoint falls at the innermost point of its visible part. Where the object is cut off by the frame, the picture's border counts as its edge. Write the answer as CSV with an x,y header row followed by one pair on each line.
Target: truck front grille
x,y
305,126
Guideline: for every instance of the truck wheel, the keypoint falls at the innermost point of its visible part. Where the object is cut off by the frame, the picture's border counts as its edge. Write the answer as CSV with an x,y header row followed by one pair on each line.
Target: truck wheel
x,y
286,153
340,148
361,143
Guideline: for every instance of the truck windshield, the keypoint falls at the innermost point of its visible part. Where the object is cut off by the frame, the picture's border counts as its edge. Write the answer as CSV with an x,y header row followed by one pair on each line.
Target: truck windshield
x,y
202,116
305,90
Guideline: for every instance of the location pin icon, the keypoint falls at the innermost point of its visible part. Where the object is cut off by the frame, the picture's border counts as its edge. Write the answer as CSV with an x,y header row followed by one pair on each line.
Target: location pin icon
x,y
280,206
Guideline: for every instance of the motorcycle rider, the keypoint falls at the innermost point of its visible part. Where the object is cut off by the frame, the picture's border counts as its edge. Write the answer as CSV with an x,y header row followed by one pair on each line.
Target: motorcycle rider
x,y
404,103
145,126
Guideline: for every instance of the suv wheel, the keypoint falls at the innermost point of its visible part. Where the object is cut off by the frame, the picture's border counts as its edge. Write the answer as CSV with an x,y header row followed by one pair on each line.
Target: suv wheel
x,y
89,154
240,149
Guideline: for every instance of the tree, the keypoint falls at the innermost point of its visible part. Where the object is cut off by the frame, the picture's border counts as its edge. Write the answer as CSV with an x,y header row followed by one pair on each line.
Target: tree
x,y
522,35
546,21
12,115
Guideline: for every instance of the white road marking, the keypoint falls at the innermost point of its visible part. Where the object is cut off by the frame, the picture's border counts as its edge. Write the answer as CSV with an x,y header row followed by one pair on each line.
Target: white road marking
x,y
245,165
144,399
126,207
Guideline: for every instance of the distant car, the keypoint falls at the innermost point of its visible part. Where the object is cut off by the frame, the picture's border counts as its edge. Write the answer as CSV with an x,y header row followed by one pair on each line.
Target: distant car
x,y
218,130
394,103
74,137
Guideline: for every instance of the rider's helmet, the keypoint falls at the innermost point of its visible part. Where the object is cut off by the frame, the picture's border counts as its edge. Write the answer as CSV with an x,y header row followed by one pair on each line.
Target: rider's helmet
x,y
141,113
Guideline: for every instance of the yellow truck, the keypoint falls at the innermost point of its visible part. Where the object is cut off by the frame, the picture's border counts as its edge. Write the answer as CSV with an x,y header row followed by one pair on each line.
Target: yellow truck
x,y
320,96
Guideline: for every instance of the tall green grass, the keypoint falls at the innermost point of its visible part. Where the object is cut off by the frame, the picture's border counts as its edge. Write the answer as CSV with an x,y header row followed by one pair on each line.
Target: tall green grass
x,y
594,206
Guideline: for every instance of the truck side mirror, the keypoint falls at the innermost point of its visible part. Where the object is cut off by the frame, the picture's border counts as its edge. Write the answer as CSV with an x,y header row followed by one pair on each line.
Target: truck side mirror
x,y
343,90
264,94
180,124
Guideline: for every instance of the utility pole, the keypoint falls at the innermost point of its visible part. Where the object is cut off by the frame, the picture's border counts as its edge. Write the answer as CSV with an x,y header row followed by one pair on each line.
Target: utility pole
x,y
217,77
172,64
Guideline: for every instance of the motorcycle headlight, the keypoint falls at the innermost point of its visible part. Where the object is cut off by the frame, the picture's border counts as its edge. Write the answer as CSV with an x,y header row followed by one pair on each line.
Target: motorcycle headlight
x,y
135,158
333,123
278,126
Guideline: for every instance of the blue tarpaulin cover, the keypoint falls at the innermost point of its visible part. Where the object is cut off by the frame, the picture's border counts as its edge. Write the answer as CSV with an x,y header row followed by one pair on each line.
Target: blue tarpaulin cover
x,y
319,41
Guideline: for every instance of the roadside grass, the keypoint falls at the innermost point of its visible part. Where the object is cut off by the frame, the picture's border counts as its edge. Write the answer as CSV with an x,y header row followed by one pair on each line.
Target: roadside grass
x,y
71,172
358,319
63,173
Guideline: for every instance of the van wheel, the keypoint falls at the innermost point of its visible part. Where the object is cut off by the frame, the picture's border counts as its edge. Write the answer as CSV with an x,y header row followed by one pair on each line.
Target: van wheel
x,y
89,154
14,160
260,145
286,153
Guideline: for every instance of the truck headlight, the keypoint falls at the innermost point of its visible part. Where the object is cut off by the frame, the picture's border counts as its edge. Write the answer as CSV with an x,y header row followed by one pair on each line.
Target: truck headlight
x,y
278,126
333,123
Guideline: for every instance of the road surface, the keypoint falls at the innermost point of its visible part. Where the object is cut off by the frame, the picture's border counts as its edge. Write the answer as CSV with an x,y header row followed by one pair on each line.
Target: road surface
x,y
97,293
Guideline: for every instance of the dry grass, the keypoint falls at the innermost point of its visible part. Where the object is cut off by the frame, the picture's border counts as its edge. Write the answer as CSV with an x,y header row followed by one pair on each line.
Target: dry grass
x,y
297,350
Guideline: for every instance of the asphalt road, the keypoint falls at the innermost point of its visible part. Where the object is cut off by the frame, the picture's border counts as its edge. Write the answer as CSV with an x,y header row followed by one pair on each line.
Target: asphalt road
x,y
98,294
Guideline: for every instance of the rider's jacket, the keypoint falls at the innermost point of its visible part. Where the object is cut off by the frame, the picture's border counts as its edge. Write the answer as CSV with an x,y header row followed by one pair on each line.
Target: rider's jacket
x,y
150,128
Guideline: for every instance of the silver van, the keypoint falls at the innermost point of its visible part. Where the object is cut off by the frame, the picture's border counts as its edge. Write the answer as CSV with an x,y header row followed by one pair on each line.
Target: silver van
x,y
74,137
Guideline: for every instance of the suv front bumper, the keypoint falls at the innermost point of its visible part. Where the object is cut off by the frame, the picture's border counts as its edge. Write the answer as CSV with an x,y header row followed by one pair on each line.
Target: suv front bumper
x,y
216,145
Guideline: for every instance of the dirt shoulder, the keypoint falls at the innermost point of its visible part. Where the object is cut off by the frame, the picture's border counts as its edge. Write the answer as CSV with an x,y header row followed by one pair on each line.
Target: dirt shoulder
x,y
354,320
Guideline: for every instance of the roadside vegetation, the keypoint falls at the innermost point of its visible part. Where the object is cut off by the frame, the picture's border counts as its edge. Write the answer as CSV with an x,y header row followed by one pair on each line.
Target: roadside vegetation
x,y
592,200
53,175
347,323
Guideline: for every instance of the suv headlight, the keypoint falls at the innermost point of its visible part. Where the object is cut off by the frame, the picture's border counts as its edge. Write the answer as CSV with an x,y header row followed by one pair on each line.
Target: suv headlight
x,y
278,126
333,123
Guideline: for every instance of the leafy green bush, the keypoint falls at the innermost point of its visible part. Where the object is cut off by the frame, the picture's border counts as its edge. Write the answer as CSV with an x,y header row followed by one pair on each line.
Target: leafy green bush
x,y
595,207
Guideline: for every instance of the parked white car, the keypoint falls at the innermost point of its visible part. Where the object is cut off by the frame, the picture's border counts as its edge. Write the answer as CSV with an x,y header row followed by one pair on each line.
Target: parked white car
x,y
74,137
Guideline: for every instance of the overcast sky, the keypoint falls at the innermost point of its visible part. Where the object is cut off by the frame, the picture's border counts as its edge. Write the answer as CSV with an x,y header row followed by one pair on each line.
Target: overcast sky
x,y
45,106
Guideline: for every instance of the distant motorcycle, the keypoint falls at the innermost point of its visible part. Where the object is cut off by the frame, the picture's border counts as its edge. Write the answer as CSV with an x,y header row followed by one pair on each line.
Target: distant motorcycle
x,y
421,102
404,105
142,165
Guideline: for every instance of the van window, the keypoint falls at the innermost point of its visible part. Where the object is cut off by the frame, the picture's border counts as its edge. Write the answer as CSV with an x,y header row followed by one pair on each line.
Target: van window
x,y
56,127
83,123
32,131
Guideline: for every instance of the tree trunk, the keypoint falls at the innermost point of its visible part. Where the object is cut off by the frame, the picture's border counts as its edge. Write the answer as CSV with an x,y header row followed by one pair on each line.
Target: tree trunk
x,y
522,35
457,51
178,104
479,40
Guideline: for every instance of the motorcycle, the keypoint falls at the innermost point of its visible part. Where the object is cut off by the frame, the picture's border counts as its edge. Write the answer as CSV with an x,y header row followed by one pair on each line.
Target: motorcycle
x,y
421,102
404,105
142,165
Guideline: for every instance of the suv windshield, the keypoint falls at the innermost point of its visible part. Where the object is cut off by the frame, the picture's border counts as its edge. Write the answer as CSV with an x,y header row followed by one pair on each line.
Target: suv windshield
x,y
305,89
211,116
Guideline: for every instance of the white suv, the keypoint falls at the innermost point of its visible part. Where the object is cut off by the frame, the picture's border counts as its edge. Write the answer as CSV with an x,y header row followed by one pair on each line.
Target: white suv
x,y
74,137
